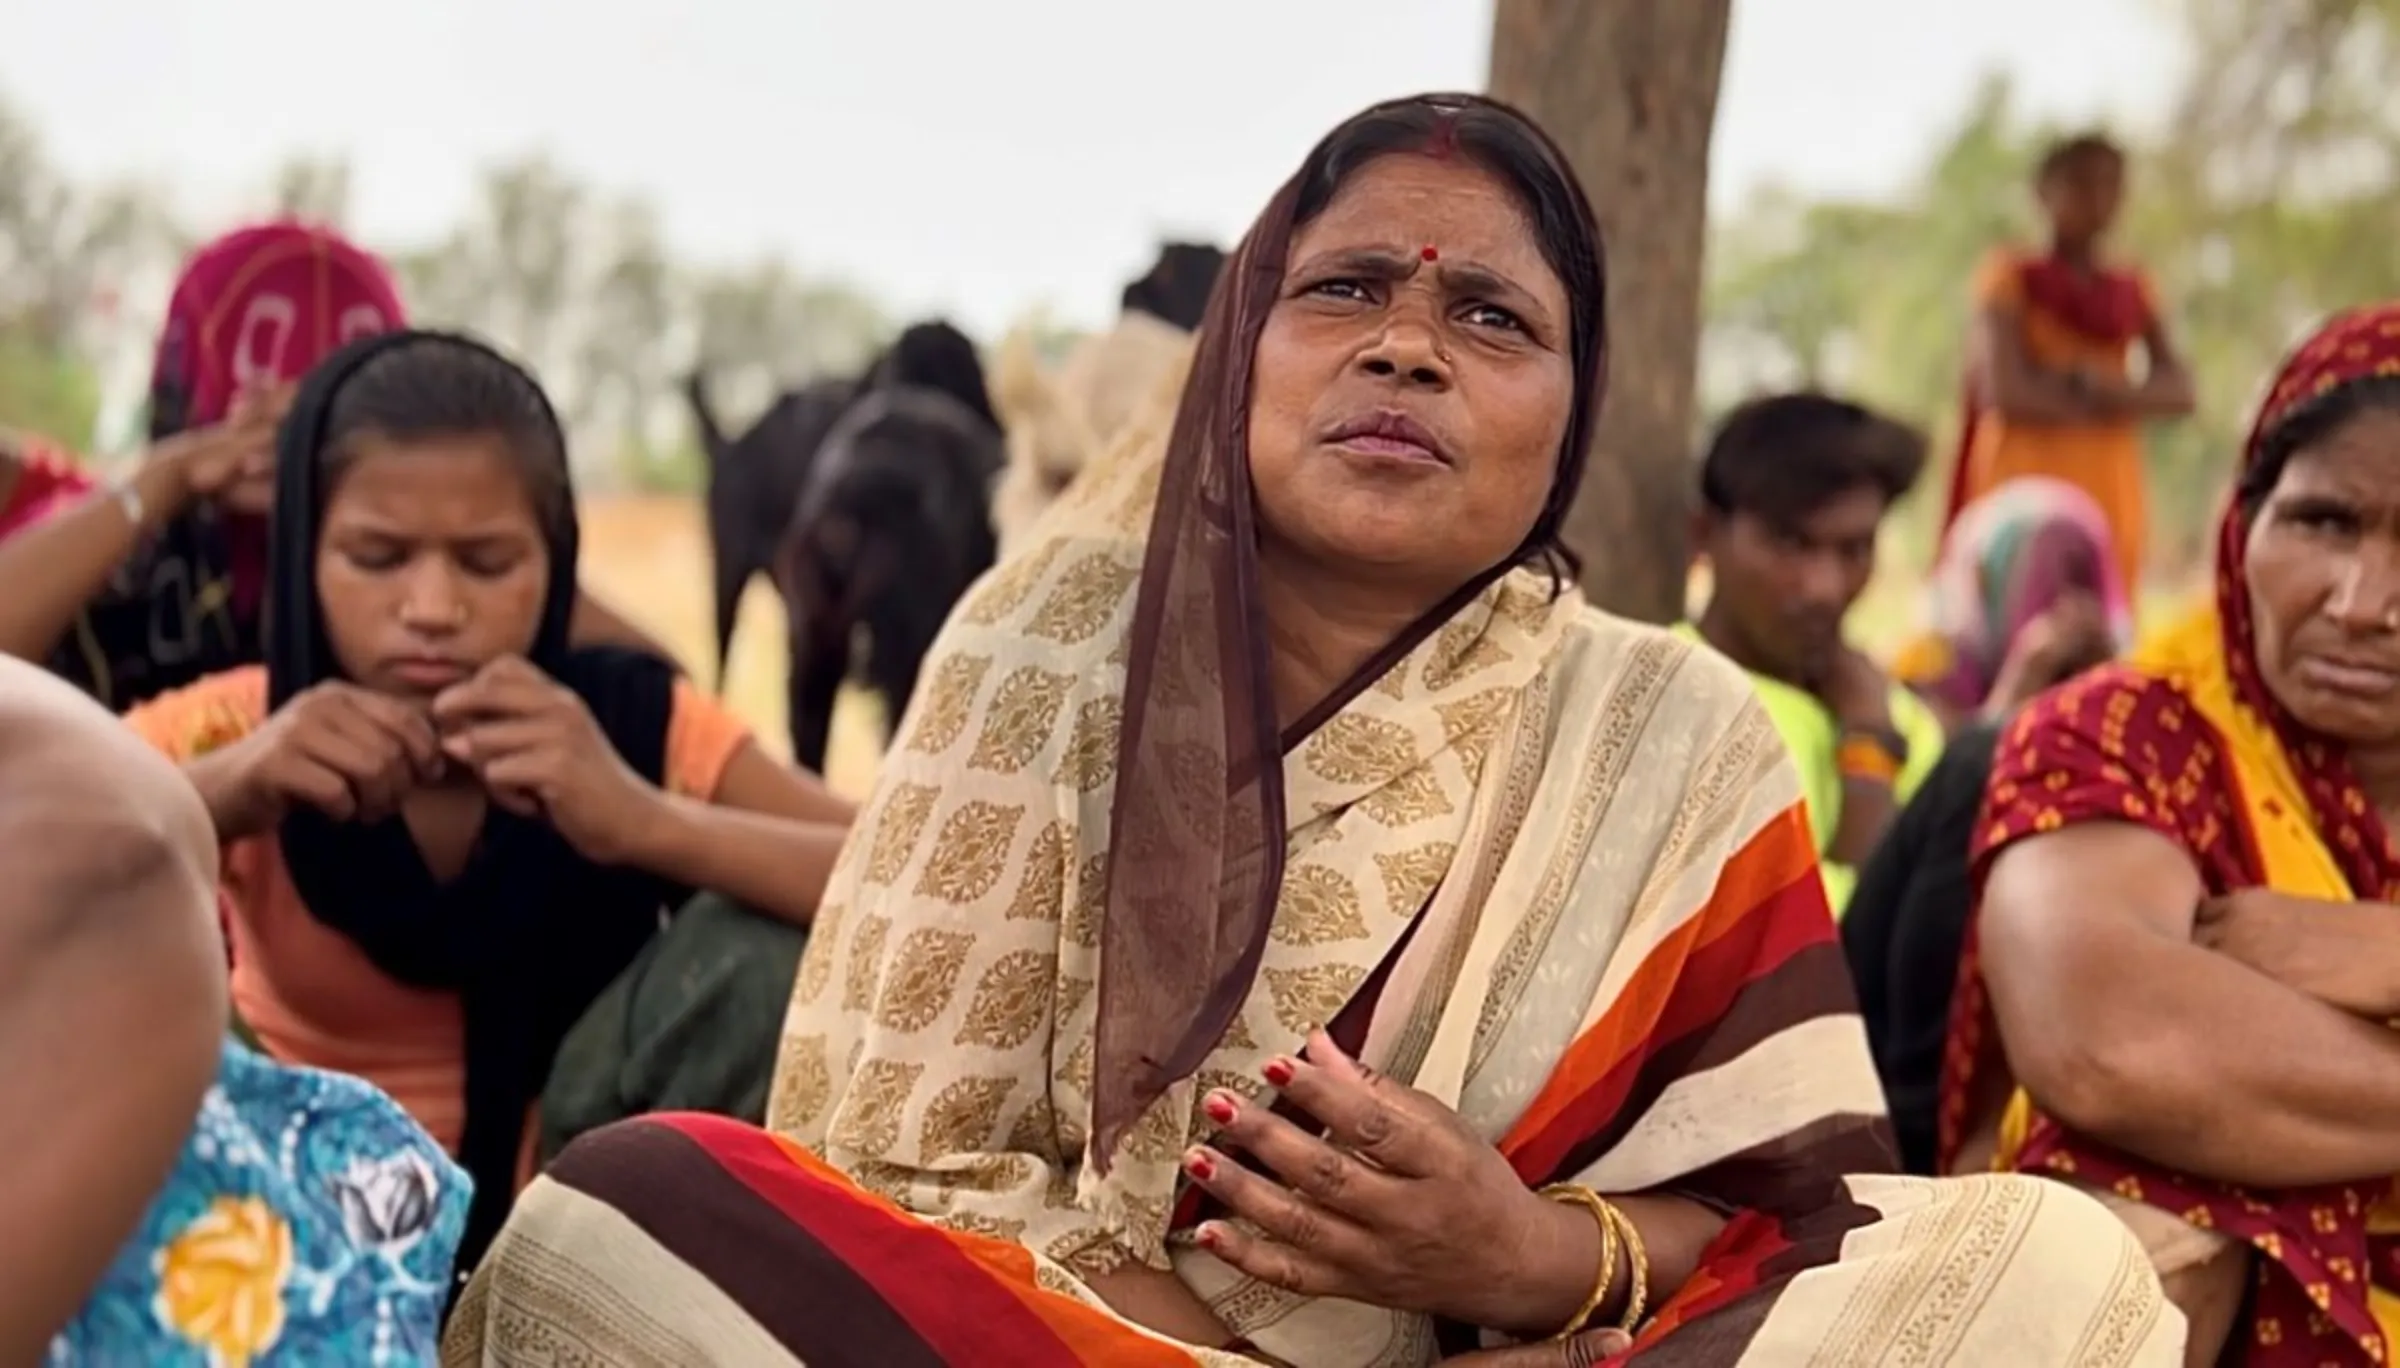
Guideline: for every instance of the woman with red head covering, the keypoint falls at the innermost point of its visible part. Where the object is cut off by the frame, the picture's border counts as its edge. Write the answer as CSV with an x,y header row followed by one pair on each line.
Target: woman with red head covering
x,y
156,580
2187,940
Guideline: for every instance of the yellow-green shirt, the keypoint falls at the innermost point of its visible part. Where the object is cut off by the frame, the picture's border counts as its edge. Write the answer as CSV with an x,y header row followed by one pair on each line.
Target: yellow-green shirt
x,y
1810,733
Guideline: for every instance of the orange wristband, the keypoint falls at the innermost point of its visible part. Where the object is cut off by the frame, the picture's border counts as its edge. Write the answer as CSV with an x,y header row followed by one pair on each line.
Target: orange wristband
x,y
1862,757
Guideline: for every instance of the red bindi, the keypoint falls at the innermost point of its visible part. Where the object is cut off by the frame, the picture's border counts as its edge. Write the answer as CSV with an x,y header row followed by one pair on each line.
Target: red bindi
x,y
1429,252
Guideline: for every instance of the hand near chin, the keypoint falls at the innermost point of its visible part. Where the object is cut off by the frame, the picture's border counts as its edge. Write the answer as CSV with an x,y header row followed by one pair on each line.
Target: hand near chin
x,y
1854,689
539,753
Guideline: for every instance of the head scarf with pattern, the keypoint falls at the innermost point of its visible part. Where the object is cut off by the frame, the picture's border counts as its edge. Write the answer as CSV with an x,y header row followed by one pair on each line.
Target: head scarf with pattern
x,y
2012,556
2361,344
1198,815
258,306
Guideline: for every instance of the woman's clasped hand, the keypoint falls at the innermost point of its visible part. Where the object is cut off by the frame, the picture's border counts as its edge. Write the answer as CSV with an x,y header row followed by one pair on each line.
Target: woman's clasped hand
x,y
537,750
1397,1204
354,754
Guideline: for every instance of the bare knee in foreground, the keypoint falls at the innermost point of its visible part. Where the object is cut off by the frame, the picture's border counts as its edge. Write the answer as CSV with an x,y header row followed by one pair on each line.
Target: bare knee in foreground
x,y
2205,1274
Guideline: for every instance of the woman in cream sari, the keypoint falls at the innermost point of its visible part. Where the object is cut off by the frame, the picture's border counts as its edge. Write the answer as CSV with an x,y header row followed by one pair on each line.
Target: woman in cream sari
x,y
1293,928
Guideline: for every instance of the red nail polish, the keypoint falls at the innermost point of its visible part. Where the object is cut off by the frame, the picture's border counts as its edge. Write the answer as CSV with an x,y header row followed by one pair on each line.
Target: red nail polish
x,y
1219,1108
1200,1166
1206,1236
1277,1072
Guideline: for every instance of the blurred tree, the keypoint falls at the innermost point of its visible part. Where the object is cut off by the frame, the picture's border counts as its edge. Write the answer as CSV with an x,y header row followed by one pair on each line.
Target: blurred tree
x,y
582,286
65,253
2263,201
314,188
1629,90
760,329
47,390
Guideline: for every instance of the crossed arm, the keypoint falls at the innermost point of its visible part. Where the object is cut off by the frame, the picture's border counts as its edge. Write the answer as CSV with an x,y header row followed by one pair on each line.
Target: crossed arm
x,y
2264,1061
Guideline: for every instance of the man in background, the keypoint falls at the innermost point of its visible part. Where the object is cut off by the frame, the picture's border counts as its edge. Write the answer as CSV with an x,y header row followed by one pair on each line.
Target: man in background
x,y
1793,492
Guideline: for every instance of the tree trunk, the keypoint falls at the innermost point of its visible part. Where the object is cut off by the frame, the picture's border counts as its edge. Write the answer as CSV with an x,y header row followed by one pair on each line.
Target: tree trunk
x,y
1629,90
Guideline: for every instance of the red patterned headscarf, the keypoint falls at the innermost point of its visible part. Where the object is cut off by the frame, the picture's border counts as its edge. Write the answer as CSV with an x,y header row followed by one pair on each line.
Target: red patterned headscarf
x,y
260,305
2358,345
263,304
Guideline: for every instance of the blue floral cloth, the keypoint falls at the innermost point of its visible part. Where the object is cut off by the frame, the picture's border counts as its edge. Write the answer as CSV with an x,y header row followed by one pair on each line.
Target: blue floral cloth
x,y
309,1221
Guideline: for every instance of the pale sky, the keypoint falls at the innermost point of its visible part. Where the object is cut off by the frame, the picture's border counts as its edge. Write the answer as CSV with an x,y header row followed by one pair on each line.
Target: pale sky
x,y
951,155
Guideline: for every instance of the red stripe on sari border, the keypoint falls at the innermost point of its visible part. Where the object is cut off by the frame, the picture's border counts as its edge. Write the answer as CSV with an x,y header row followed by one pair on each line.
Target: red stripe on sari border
x,y
1768,879
1751,958
1714,1317
955,1303
1094,1335
1731,1267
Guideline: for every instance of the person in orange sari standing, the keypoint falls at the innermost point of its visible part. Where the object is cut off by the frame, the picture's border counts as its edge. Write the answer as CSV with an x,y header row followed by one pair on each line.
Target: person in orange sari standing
x,y
2050,386
2187,938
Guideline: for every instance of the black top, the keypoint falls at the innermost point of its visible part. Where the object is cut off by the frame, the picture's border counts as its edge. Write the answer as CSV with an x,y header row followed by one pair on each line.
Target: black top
x,y
168,617
531,932
1903,933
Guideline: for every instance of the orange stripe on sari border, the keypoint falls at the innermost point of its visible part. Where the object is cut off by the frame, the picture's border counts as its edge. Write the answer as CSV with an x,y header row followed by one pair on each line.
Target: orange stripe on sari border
x,y
1734,994
958,1304
1779,858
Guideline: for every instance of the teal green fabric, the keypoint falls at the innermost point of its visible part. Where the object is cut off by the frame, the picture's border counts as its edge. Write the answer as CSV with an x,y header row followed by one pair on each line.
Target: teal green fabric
x,y
1811,735
691,1025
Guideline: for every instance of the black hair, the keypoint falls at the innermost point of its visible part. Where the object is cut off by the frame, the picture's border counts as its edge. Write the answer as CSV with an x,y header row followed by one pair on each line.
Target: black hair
x,y
2305,424
1175,288
1788,455
1510,146
936,355
430,386
2068,153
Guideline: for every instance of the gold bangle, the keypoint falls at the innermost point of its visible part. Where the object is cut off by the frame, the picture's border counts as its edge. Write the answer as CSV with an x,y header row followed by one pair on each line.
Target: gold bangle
x,y
1604,1215
1637,1293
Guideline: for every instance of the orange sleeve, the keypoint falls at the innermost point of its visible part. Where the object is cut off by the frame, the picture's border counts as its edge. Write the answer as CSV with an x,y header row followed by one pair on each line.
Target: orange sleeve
x,y
702,738
1999,281
192,721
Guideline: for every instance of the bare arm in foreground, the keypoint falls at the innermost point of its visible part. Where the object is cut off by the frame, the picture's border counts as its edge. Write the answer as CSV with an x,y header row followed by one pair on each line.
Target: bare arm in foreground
x,y
112,992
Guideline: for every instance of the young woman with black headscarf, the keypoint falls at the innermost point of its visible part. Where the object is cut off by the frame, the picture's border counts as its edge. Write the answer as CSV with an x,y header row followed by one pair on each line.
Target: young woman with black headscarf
x,y
447,829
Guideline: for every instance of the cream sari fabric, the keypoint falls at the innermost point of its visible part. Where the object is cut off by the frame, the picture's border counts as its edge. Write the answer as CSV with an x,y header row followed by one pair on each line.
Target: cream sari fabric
x,y
1563,795
1623,973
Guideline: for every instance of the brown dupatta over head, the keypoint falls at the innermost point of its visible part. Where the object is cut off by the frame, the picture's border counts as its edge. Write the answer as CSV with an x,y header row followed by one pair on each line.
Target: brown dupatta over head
x,y
1197,824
